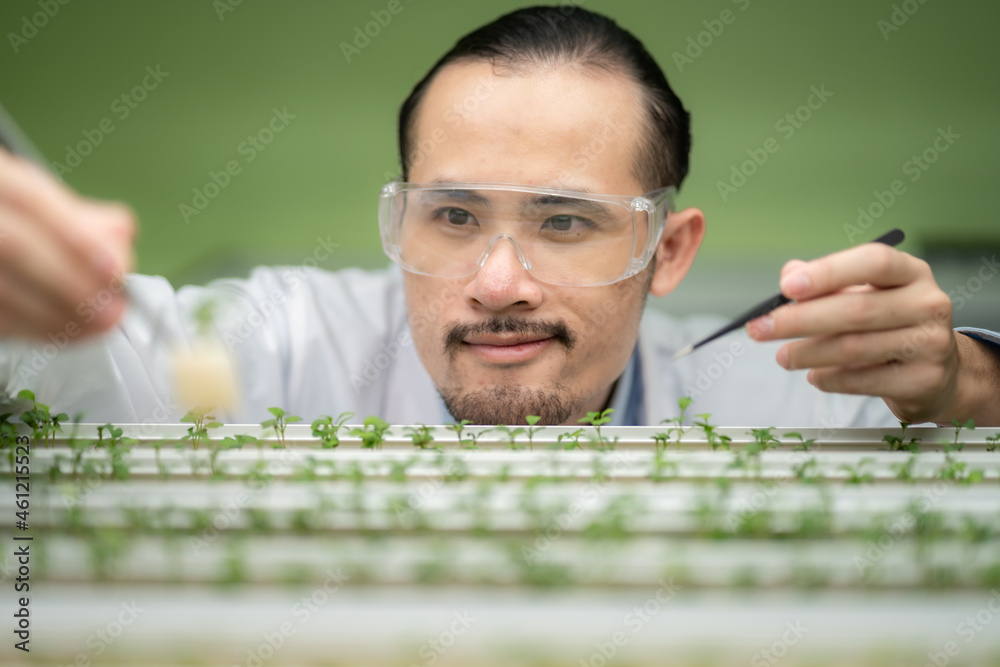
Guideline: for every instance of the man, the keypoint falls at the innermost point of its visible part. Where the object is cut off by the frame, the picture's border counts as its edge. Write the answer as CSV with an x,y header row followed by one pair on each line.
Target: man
x,y
512,299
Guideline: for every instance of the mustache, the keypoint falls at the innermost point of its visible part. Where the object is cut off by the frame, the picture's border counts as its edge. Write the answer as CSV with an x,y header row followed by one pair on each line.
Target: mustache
x,y
557,330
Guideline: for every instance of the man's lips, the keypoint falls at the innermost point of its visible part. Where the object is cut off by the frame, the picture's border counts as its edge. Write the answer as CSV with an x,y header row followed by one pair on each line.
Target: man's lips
x,y
506,349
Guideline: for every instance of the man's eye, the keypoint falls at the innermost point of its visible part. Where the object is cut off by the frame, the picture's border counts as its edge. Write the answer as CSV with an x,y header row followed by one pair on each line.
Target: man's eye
x,y
457,216
565,223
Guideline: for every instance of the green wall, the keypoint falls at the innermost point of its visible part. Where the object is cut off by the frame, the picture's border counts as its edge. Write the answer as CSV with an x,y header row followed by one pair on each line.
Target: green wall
x,y
320,176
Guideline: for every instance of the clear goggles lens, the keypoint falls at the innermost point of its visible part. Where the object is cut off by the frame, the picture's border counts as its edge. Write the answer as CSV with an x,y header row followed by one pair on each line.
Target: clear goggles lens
x,y
559,237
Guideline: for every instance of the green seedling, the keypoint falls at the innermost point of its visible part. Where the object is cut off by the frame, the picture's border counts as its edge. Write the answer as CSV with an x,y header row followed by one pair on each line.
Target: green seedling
x,y
904,471
956,445
597,420
677,422
715,440
117,447
280,420
763,438
532,422
372,433
8,434
804,445
955,471
807,471
898,443
662,440
201,421
43,424
571,440
993,442
327,430
511,434
856,473
420,435
473,441
458,429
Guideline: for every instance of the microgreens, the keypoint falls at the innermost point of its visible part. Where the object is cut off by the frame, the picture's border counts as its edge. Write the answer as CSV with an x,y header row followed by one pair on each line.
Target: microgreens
x,y
532,422
993,442
804,445
956,445
898,443
420,435
279,422
764,438
372,432
684,402
511,434
43,424
716,440
202,420
8,432
597,420
326,429
458,428
856,473
571,440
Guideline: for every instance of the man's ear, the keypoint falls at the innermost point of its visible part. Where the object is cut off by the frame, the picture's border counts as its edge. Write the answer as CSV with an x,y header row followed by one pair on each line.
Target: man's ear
x,y
677,249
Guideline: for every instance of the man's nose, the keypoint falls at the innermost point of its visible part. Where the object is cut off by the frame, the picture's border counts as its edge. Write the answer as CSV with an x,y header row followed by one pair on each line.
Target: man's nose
x,y
503,281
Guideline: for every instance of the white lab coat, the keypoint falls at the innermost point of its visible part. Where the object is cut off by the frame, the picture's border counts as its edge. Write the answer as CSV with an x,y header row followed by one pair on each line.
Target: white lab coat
x,y
316,342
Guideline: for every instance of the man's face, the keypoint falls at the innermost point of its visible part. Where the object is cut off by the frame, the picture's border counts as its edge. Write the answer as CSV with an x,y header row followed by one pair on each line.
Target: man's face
x,y
501,344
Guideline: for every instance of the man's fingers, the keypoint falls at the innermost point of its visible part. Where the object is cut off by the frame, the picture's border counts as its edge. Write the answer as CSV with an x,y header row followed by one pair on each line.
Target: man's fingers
x,y
71,222
30,258
792,265
855,311
871,263
929,341
905,385
24,314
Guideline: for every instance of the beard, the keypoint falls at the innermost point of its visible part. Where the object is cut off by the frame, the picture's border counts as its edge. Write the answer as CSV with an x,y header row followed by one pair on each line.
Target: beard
x,y
510,403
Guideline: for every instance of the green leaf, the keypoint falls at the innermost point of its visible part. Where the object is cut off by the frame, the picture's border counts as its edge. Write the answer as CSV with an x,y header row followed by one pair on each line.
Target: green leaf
x,y
26,394
532,419
277,412
292,419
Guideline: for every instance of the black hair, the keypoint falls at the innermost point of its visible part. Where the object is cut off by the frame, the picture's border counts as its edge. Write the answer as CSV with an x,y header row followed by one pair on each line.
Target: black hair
x,y
549,34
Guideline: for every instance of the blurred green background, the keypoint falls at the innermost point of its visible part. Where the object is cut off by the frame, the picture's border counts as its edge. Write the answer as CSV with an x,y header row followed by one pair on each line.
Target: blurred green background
x,y
321,175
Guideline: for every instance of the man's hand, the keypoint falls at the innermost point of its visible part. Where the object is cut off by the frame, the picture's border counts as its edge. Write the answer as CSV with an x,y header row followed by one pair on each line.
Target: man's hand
x,y
62,258
873,321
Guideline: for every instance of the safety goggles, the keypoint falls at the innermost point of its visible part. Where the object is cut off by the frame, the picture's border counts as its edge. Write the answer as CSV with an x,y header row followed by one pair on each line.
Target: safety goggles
x,y
560,237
